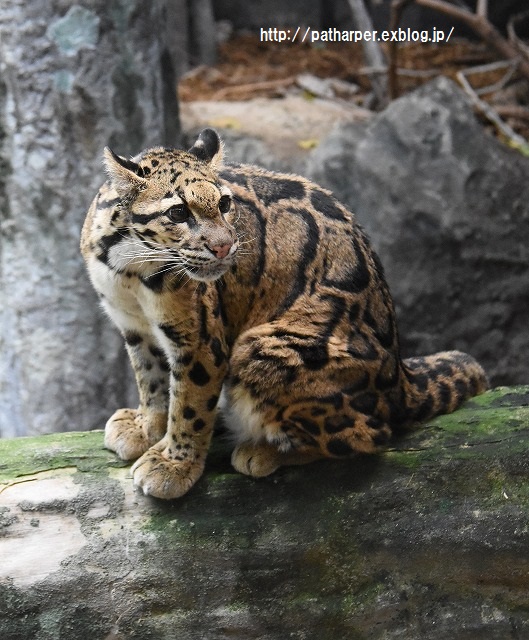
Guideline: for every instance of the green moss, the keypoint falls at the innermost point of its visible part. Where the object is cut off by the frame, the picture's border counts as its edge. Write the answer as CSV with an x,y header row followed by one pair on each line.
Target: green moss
x,y
501,396
408,459
497,419
25,456
489,421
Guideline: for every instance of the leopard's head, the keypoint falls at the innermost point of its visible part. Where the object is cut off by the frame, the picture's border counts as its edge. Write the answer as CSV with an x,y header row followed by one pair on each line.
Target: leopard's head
x,y
176,210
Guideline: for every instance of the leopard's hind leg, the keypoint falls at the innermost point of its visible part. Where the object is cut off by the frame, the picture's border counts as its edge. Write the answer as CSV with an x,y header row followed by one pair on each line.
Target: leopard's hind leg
x,y
282,412
305,432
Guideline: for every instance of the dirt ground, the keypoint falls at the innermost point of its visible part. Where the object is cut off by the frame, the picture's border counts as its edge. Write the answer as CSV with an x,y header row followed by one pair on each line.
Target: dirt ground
x,y
249,69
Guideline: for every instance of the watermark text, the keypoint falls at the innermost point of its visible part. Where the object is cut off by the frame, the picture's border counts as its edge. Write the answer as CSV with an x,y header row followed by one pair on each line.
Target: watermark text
x,y
273,34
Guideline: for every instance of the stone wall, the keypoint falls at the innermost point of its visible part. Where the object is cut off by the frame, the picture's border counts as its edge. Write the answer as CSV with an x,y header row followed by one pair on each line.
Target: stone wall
x,y
74,77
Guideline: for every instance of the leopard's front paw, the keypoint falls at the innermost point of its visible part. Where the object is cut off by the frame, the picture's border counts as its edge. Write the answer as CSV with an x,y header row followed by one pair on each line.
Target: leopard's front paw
x,y
161,477
130,433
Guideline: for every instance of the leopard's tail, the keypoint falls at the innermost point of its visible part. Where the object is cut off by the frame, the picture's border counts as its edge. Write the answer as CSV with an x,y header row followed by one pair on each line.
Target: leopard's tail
x,y
440,383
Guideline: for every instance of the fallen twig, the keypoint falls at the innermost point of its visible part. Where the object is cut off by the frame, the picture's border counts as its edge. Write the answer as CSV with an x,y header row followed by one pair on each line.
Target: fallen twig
x,y
254,87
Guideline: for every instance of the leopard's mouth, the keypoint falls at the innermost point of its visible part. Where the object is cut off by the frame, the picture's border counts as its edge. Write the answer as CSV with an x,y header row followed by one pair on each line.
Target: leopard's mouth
x,y
210,271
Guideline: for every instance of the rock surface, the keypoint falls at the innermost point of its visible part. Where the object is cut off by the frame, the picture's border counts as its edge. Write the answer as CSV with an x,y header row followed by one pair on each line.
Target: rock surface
x,y
447,208
73,79
428,540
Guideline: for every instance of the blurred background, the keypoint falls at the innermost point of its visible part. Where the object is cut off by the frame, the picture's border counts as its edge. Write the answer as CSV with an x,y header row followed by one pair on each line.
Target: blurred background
x,y
423,137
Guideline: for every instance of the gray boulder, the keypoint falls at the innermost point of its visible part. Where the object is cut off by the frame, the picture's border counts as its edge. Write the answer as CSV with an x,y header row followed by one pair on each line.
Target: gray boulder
x,y
73,79
447,208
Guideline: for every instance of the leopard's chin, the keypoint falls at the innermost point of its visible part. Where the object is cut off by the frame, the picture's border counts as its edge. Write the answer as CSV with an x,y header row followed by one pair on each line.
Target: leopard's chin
x,y
210,272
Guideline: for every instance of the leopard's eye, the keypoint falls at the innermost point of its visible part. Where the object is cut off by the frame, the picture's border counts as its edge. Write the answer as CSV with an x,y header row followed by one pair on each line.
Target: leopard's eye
x,y
178,213
224,204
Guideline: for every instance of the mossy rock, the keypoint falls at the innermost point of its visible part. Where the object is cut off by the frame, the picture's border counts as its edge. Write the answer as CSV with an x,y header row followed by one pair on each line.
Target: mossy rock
x,y
427,540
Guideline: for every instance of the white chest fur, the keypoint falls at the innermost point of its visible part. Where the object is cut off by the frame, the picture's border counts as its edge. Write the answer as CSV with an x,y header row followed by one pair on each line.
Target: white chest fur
x,y
128,303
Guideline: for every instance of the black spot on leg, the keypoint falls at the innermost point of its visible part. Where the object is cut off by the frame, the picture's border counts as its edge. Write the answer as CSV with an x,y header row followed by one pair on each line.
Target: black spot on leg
x,y
364,402
156,352
339,447
212,403
203,331
307,425
217,351
199,424
445,395
189,413
199,375
132,338
337,423
185,359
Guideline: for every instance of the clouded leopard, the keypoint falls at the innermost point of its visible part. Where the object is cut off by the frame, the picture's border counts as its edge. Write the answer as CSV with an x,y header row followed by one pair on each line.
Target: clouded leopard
x,y
260,286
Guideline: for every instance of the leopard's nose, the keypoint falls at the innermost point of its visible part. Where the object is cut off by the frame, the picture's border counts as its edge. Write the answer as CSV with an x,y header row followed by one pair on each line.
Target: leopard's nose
x,y
220,250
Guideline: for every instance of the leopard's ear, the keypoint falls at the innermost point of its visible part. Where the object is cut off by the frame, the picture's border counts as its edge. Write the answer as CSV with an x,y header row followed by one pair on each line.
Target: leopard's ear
x,y
209,148
125,175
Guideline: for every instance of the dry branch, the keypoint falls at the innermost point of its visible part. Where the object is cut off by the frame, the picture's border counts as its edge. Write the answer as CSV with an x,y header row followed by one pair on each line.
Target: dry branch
x,y
514,139
482,8
513,49
372,51
520,45
482,27
509,65
396,9
515,111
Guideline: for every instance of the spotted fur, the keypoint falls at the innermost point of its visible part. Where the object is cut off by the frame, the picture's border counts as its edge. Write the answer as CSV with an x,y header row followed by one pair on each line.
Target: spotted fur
x,y
263,287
